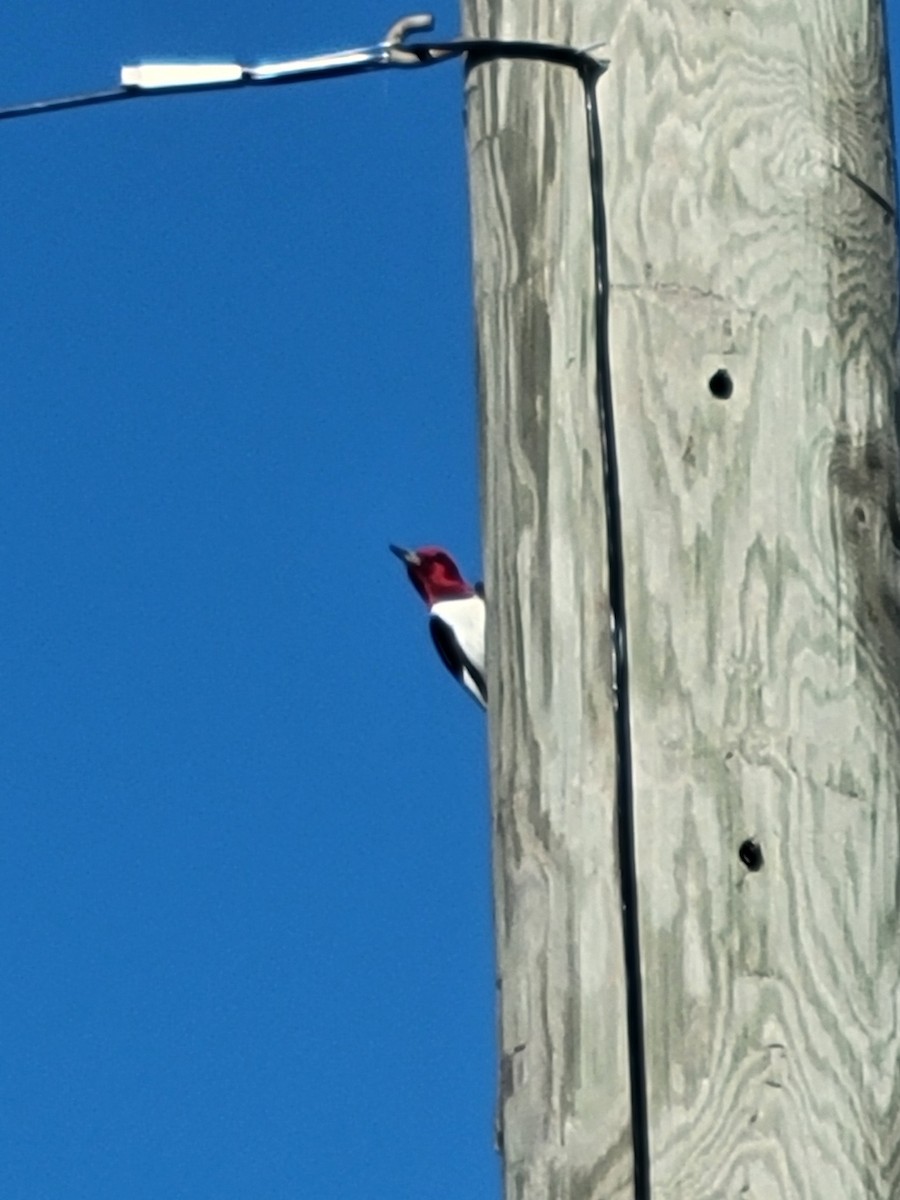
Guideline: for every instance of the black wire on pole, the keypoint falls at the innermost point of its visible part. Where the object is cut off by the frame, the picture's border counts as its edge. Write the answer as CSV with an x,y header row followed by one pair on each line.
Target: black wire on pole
x,y
589,72
396,52
631,934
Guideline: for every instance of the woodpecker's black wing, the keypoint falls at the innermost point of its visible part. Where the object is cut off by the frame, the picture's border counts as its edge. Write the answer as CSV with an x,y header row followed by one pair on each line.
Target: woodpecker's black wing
x,y
479,590
456,662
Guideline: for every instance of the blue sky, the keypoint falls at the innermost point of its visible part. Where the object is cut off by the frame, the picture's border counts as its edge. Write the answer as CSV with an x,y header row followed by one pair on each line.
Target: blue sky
x,y
244,864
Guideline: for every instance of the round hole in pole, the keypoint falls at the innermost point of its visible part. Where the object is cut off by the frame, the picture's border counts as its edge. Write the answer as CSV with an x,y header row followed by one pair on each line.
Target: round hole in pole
x,y
751,855
720,384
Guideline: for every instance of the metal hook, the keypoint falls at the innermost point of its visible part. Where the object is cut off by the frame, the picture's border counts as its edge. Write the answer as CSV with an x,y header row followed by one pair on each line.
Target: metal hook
x,y
400,53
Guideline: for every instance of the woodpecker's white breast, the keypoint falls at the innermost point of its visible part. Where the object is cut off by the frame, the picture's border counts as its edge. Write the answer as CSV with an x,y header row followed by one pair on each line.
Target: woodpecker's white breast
x,y
466,618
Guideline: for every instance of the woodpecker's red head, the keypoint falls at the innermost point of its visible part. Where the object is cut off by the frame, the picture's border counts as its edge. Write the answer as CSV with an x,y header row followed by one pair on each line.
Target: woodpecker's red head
x,y
434,574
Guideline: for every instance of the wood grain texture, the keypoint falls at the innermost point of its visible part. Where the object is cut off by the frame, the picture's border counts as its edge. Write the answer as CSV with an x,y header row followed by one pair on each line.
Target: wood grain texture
x,y
750,194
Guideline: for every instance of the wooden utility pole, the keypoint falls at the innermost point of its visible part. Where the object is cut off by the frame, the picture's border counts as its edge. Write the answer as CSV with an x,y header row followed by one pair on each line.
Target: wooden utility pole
x,y
754,320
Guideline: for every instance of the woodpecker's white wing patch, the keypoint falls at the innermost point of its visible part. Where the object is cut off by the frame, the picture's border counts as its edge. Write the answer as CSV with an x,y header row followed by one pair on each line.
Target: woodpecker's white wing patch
x,y
457,628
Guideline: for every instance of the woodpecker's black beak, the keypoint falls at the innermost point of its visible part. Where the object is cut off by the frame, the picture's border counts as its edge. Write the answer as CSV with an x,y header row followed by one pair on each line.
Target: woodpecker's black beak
x,y
408,556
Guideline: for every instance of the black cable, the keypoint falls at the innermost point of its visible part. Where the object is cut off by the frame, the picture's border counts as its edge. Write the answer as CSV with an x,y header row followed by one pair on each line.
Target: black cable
x,y
479,50
631,933
589,72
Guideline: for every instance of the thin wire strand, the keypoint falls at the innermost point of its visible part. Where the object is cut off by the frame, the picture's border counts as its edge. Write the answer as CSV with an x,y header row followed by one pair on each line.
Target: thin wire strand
x,y
378,57
33,107
480,50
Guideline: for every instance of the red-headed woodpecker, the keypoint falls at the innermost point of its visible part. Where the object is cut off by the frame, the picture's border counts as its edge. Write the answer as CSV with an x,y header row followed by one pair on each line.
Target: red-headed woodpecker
x,y
456,614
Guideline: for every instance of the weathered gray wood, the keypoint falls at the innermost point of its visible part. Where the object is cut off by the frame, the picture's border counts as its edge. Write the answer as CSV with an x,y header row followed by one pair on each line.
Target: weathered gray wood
x,y
750,194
